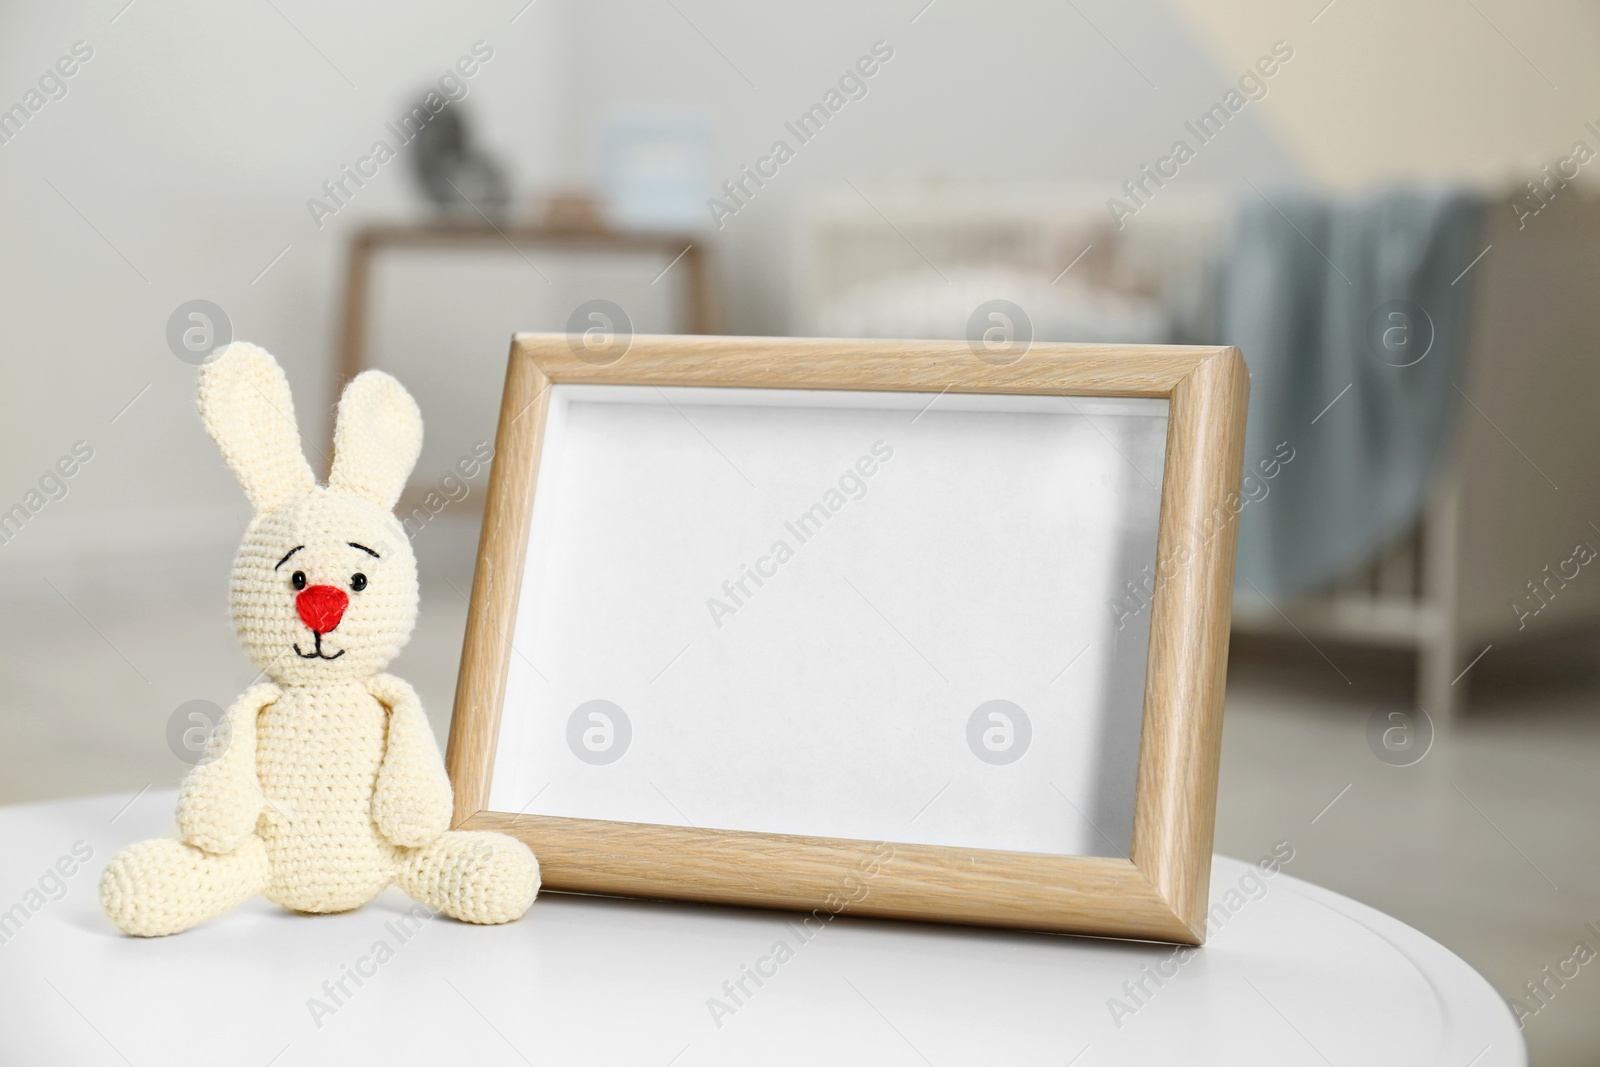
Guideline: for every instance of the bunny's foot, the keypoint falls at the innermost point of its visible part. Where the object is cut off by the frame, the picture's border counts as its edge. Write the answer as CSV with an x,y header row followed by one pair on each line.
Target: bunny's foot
x,y
472,875
163,885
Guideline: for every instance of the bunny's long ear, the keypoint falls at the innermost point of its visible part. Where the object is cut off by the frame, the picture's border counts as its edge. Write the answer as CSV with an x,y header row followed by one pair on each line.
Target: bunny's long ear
x,y
376,440
246,407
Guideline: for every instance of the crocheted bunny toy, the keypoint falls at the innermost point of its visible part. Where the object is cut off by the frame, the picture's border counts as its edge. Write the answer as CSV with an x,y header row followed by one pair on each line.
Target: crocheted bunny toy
x,y
325,786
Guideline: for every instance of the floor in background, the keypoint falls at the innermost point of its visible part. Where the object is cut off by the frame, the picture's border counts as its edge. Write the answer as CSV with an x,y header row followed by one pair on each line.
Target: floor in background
x,y
1489,843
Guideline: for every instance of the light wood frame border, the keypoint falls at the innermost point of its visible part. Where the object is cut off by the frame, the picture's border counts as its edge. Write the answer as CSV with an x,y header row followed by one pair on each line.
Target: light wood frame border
x,y
1159,892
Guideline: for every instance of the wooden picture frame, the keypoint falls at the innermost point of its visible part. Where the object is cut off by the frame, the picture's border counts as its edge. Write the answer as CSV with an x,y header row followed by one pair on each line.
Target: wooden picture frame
x,y
1159,892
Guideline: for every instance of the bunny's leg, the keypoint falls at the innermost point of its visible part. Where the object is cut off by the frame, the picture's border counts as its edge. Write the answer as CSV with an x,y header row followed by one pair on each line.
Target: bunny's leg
x,y
162,886
472,875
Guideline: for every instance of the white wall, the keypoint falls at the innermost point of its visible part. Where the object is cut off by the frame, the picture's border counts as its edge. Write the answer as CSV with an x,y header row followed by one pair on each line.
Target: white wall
x,y
1002,91
192,139
190,143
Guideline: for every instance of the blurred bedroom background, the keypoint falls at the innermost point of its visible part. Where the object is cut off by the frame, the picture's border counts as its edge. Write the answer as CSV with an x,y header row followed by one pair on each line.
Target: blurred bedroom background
x,y
1391,208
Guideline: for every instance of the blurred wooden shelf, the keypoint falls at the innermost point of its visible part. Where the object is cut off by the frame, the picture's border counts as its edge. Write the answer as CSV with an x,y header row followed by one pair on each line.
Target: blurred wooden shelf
x,y
685,251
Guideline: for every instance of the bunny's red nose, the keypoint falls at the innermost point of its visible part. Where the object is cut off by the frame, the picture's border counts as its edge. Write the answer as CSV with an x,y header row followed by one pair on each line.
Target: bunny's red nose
x,y
321,607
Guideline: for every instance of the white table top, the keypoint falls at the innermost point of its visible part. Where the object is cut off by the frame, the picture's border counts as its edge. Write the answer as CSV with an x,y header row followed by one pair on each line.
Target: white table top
x,y
1298,976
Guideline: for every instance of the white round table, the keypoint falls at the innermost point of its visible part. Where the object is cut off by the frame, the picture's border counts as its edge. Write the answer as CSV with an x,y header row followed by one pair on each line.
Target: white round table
x,y
1296,975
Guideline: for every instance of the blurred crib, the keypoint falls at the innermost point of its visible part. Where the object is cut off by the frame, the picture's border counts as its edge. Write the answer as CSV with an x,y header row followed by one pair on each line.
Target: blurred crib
x,y
1491,560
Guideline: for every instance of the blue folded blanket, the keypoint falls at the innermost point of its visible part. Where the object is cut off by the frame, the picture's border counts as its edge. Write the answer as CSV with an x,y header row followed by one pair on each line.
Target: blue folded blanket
x,y
1353,318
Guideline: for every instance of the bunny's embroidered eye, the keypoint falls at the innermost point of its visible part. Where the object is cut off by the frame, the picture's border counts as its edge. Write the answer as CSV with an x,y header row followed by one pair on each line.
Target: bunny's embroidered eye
x,y
298,579
358,581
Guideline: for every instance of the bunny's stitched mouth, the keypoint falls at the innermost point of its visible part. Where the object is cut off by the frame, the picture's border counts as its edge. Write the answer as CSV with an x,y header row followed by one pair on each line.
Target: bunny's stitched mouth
x,y
316,652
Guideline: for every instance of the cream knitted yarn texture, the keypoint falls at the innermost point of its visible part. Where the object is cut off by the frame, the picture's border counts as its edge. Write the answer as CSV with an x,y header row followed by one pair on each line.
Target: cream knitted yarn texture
x,y
325,786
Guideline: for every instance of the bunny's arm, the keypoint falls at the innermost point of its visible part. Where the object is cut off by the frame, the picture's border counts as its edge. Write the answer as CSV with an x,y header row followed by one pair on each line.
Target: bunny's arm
x,y
221,798
412,802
